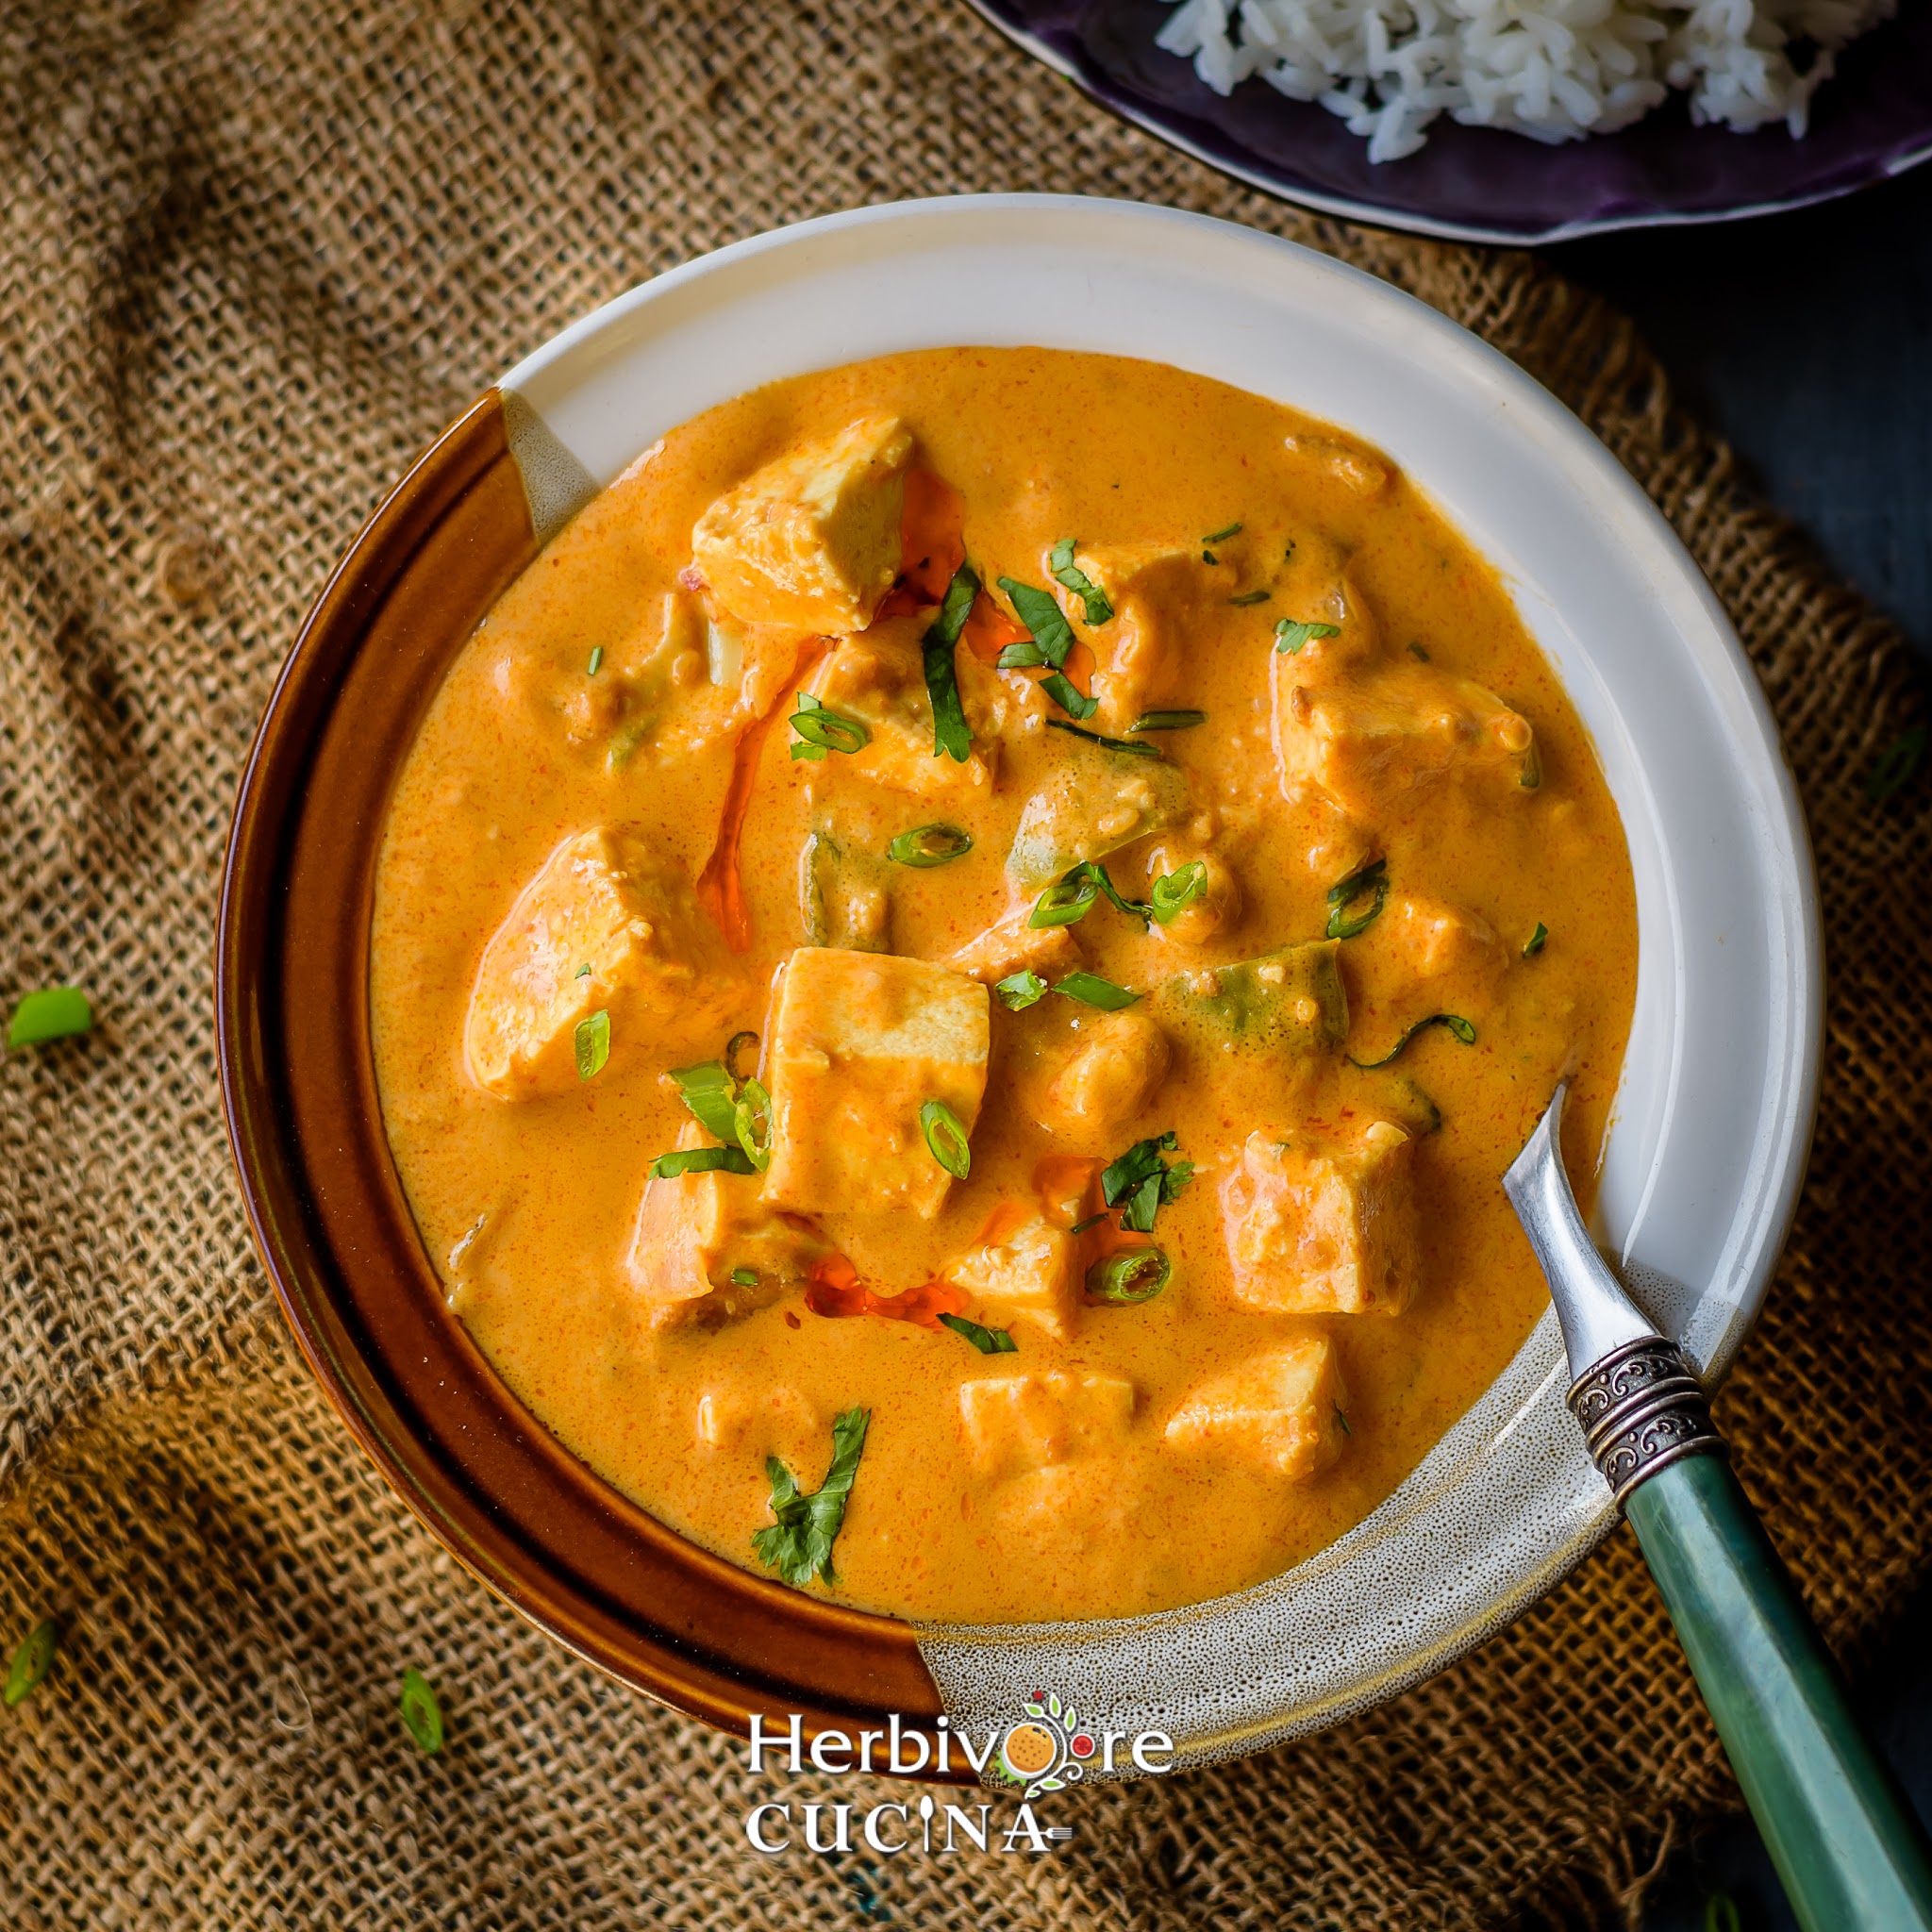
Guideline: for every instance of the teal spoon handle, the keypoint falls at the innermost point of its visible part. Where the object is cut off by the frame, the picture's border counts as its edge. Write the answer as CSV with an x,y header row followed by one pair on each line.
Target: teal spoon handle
x,y
1852,1855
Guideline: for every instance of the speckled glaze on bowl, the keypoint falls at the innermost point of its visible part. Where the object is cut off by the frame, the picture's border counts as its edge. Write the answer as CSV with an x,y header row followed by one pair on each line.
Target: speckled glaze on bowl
x,y
1702,1168
1873,119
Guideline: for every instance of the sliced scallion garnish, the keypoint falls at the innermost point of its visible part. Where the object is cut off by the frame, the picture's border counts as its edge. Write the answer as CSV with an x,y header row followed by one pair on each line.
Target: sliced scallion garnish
x,y
1248,598
1290,634
947,1138
596,661
1168,721
54,1012
925,847
987,1341
1093,990
1137,1275
1221,536
1021,990
592,1043
1094,600
683,1160
744,1277
821,731
736,1044
1361,883
951,735
712,1095
1535,942
421,1714
1064,901
750,1124
31,1662
1174,892
1454,1021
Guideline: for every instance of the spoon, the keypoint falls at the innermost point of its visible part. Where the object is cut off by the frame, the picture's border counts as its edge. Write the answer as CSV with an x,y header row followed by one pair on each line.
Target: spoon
x,y
1848,1850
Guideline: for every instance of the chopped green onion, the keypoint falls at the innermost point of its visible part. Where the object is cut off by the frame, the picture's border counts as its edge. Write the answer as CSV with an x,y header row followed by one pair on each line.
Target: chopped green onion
x,y
1455,1021
1168,721
421,1714
1093,990
1250,598
56,1012
987,1341
1290,634
1342,1416
1137,1275
1136,751
947,1138
31,1662
583,971
819,730
1364,880
1021,990
1064,901
1174,890
1896,765
596,661
928,845
1067,572
1067,695
592,1042
1534,944
799,1541
1091,1221
750,1124
735,1045
1417,651
712,1095
1092,869
1052,635
1221,536
744,1277
951,735
684,1160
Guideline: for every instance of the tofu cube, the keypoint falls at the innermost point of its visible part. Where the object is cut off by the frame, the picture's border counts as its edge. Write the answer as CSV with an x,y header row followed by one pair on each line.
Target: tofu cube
x,y
694,1231
1161,596
1282,1410
1017,1424
812,540
858,1043
1108,1078
880,678
1013,947
1028,1271
1323,1227
604,900
1372,741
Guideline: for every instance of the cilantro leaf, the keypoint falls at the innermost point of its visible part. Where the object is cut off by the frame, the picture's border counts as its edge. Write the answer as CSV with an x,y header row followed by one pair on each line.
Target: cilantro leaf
x,y
1037,610
951,735
798,1544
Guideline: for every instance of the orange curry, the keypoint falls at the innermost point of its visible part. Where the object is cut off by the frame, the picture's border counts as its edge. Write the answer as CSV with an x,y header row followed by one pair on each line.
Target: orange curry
x,y
956,966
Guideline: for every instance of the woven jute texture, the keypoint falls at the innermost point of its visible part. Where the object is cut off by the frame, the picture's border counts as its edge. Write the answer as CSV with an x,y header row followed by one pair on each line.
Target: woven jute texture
x,y
254,255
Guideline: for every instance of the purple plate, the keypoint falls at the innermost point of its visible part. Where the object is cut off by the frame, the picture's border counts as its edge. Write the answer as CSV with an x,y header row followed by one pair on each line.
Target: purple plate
x,y
1872,119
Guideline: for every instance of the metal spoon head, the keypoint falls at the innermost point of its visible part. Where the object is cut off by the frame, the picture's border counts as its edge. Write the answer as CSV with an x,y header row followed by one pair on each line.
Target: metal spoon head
x,y
1594,1313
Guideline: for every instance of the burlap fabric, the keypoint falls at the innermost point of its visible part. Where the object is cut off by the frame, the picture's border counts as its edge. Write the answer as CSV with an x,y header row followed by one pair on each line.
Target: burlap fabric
x,y
255,255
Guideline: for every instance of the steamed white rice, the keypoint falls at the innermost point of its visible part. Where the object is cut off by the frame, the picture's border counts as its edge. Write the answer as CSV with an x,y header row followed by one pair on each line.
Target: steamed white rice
x,y
1556,70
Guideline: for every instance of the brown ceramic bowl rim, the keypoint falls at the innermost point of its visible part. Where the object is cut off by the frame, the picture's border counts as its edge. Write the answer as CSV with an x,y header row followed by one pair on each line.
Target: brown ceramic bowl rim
x,y
361,1297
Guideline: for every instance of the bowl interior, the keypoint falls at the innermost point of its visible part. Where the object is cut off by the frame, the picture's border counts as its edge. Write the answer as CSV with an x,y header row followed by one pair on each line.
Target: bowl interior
x,y
1703,1163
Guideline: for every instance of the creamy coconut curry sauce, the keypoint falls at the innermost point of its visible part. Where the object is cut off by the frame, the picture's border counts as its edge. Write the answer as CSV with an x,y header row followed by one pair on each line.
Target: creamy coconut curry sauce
x,y
970,942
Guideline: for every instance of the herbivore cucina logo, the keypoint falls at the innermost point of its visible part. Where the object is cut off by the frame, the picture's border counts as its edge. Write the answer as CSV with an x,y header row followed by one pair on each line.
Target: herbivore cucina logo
x,y
1045,1749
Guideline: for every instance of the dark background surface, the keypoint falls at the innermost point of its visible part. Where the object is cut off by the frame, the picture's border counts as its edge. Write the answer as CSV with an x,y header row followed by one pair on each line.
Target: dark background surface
x,y
1806,341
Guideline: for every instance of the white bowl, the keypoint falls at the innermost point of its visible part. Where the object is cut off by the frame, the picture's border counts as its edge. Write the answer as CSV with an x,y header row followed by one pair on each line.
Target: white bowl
x,y
1712,1120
